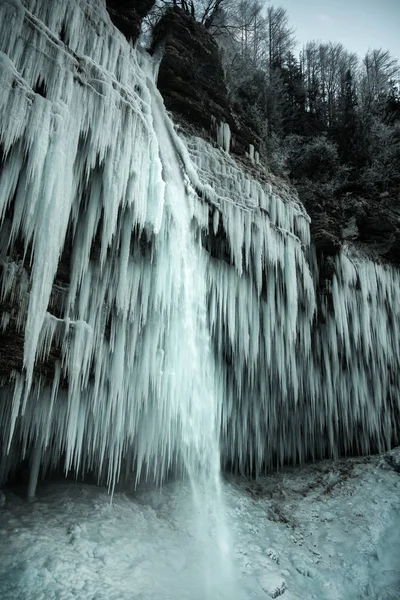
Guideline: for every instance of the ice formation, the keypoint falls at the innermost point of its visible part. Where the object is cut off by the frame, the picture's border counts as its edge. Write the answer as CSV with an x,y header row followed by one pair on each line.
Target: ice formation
x,y
165,297
224,137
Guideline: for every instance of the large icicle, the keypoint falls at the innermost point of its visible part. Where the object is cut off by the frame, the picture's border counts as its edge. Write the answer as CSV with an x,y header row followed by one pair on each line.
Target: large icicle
x,y
91,186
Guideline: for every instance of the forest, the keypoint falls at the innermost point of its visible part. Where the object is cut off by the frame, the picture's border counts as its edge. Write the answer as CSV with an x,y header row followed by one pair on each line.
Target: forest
x,y
325,117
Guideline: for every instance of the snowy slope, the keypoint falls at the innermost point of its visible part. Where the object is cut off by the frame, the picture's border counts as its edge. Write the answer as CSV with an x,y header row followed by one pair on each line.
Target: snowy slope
x,y
326,532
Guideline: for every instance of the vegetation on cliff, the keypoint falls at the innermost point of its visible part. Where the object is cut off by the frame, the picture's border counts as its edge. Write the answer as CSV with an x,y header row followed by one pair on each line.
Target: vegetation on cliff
x,y
325,118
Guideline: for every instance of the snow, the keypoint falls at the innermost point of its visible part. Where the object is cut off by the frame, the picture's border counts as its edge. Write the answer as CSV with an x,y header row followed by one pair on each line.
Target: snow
x,y
325,532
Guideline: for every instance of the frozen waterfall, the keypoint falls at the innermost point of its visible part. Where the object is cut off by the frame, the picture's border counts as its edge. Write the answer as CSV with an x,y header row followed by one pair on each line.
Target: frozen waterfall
x,y
158,304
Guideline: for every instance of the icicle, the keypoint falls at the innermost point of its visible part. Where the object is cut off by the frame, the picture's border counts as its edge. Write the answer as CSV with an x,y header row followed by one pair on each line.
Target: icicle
x,y
141,345
224,137
34,472
251,152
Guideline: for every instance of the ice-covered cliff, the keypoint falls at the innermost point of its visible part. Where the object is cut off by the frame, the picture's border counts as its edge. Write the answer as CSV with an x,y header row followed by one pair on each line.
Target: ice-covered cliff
x,y
158,301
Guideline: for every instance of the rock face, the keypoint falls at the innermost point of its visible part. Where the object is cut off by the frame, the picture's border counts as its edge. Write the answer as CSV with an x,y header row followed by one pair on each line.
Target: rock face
x,y
191,78
393,459
376,225
371,222
127,15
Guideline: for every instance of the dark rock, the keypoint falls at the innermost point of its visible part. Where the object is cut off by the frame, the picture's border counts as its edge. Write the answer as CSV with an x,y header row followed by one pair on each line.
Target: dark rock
x,y
353,214
393,254
216,243
127,15
377,224
326,223
393,459
12,342
191,78
12,350
326,241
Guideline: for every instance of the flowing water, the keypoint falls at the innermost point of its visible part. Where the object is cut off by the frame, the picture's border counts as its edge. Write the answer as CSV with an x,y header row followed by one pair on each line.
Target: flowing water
x,y
189,364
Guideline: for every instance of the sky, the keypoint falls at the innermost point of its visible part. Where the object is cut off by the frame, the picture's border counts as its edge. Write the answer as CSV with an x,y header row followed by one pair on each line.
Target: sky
x,y
357,24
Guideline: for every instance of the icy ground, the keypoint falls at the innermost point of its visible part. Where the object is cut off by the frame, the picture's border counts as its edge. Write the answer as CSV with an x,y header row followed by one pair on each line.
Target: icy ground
x,y
330,531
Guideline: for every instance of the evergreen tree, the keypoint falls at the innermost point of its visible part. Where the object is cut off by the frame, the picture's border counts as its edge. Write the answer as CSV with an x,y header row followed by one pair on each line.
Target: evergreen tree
x,y
293,117
346,129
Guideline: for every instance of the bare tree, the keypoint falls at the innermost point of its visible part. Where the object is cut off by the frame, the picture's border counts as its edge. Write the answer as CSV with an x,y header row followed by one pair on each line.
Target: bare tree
x,y
380,72
202,10
324,69
280,36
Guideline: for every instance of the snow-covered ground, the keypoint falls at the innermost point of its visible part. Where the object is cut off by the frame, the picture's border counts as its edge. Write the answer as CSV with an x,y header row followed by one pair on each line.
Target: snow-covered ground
x,y
329,531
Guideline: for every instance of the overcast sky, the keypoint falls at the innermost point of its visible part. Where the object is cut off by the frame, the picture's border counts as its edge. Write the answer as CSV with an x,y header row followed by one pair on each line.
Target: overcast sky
x,y
357,24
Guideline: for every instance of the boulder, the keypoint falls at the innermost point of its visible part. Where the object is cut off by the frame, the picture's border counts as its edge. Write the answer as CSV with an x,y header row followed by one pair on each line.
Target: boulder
x,y
191,79
127,15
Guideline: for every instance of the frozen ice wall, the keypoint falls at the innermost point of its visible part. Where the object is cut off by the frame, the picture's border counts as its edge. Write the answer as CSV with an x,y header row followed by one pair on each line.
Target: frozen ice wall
x,y
87,273
303,377
159,300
